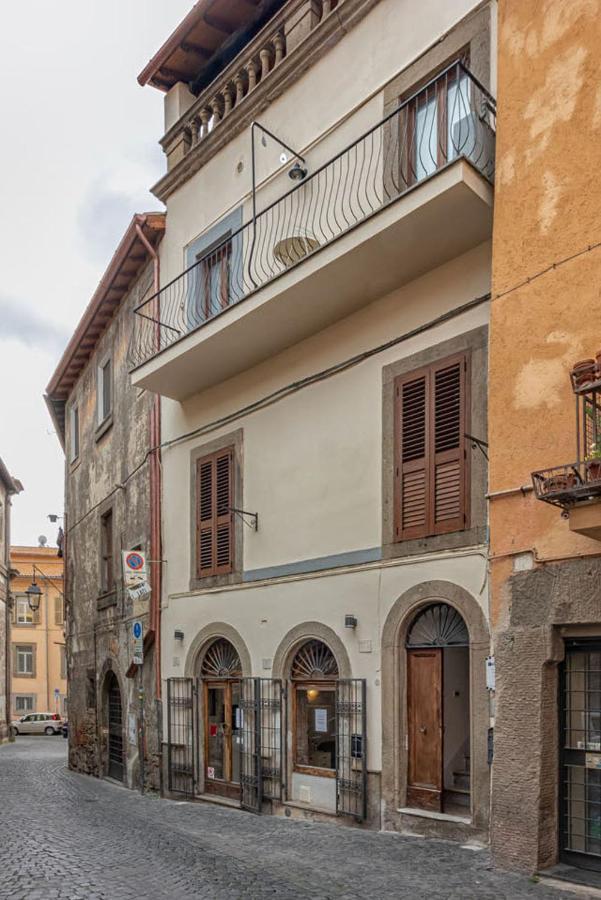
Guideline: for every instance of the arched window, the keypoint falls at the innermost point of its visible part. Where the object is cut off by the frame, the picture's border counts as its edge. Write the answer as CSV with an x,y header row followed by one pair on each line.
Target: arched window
x,y
221,660
314,671
315,661
438,625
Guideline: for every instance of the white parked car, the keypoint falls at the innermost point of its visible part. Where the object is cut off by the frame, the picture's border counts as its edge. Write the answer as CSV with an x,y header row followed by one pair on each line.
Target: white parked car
x,y
37,723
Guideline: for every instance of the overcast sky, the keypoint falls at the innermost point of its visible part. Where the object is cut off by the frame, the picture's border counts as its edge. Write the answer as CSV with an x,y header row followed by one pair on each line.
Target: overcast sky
x,y
79,151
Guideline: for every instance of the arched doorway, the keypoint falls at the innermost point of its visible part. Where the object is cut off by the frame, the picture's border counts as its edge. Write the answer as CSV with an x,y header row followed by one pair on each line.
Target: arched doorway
x,y
221,671
438,711
114,718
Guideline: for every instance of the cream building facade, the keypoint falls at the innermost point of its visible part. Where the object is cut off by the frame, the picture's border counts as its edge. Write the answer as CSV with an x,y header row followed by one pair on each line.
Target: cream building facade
x,y
38,659
323,371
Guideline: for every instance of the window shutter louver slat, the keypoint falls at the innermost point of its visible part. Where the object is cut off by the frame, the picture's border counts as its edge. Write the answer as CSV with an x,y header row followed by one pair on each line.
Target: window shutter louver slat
x,y
215,523
448,470
223,492
205,517
412,442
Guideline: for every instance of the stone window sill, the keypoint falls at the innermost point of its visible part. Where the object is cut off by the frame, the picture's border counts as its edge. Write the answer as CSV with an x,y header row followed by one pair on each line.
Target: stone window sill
x,y
104,601
104,426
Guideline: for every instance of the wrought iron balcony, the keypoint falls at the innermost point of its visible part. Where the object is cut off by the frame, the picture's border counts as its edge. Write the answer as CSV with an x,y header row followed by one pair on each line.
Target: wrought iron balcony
x,y
578,483
452,118
568,485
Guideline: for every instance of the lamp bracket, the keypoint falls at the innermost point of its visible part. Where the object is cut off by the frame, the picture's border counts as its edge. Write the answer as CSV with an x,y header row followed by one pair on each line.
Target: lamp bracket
x,y
249,518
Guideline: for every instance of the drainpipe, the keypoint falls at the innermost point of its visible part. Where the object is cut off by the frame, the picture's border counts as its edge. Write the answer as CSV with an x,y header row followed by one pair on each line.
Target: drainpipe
x,y
155,491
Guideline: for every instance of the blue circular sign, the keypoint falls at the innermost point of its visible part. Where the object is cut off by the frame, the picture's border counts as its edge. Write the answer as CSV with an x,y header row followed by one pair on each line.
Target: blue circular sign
x,y
137,630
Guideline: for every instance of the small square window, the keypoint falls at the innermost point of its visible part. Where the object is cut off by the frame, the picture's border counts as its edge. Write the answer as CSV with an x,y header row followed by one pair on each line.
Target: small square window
x,y
24,703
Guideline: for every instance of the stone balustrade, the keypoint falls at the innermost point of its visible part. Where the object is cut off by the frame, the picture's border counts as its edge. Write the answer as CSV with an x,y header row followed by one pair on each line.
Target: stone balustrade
x,y
251,68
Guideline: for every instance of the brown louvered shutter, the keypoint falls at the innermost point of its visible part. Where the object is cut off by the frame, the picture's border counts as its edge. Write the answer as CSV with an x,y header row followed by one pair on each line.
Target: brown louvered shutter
x,y
448,455
214,518
431,483
412,470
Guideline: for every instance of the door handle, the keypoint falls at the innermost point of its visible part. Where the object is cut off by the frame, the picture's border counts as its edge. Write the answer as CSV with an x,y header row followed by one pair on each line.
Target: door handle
x,y
423,729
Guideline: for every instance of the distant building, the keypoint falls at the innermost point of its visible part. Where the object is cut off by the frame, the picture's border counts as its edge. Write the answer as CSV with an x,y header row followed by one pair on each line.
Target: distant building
x,y
108,429
38,660
8,487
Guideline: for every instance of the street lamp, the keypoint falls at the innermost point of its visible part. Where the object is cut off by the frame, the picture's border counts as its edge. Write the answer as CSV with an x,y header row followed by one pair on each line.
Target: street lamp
x,y
34,595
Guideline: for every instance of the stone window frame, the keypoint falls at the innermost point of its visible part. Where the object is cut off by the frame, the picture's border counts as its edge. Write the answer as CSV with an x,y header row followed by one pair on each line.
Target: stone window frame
x,y
35,614
17,646
104,418
22,696
471,36
235,441
475,344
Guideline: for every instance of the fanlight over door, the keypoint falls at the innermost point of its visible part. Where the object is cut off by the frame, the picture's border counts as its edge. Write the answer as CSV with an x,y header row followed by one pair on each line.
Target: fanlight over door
x,y
314,660
221,661
438,625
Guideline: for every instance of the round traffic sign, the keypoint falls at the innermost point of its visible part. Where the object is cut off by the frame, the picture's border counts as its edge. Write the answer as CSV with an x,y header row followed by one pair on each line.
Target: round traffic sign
x,y
134,561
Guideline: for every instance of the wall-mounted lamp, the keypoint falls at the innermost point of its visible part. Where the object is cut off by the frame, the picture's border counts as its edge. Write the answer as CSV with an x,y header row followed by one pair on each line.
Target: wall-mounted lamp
x,y
34,595
178,634
297,172
350,621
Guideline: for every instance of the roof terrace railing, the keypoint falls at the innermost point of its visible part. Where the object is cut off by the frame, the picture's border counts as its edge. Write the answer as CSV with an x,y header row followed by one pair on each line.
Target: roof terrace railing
x,y
452,117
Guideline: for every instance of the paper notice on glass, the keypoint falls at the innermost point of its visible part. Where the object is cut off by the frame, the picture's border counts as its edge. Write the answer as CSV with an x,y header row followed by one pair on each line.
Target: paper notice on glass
x,y
321,720
239,719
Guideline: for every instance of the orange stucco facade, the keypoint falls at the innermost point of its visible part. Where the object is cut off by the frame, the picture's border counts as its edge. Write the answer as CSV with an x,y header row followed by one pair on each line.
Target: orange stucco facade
x,y
546,315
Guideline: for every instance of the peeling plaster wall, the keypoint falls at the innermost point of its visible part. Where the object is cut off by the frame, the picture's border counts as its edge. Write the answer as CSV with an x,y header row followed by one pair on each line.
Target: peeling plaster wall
x,y
545,313
99,633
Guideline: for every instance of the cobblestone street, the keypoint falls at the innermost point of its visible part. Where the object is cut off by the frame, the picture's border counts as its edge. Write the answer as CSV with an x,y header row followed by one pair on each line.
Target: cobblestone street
x,y
73,837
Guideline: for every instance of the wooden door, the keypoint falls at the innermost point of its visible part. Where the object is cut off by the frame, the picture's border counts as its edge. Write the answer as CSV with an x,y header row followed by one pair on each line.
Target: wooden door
x,y
222,754
424,718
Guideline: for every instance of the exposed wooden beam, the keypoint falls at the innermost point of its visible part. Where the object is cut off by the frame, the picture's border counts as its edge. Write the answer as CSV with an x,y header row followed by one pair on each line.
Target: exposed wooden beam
x,y
196,50
219,24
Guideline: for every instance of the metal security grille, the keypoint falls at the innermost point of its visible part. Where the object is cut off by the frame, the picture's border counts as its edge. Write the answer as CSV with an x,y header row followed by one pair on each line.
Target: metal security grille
x,y
580,775
181,728
262,749
115,719
351,749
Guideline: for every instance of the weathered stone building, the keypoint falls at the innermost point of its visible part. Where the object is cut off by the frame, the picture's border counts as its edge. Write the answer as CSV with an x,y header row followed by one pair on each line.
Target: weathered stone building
x,y
545,528
109,430
8,487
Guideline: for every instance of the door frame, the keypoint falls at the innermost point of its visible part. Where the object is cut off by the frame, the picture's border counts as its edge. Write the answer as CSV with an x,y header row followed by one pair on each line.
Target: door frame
x,y
221,787
571,857
111,678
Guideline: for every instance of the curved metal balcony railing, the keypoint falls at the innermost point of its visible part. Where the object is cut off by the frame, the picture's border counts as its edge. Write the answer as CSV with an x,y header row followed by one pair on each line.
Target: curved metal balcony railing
x,y
451,117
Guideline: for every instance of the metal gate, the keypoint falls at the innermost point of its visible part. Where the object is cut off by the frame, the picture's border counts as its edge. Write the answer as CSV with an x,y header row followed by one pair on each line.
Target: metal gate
x,y
262,743
580,756
181,730
115,736
351,748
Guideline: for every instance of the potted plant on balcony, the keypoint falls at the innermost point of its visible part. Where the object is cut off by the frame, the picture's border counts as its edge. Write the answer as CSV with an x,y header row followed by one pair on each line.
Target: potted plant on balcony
x,y
583,373
593,461
559,483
